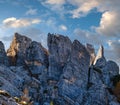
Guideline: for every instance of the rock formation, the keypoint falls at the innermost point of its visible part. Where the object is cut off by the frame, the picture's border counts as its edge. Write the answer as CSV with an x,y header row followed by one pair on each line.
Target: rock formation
x,y
91,51
3,57
16,52
100,60
36,58
71,85
59,49
69,73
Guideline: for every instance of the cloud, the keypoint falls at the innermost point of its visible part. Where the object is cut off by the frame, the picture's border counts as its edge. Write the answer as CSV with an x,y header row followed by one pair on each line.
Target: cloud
x,y
113,52
83,7
115,46
56,6
109,24
6,38
112,47
31,12
12,22
88,37
55,2
37,33
63,27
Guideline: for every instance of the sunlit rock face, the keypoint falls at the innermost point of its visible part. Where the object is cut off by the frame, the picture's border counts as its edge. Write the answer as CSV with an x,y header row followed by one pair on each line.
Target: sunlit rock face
x,y
6,99
59,50
100,60
17,50
68,73
3,57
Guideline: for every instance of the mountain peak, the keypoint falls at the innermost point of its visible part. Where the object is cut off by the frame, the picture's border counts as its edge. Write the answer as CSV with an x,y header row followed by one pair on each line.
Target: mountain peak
x,y
68,73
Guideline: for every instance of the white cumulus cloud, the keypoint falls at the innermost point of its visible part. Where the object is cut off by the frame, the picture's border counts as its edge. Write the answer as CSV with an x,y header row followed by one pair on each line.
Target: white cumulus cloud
x,y
83,7
109,24
13,22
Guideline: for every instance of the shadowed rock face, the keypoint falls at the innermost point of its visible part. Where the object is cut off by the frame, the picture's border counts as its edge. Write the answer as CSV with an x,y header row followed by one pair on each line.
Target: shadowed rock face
x,y
59,50
75,74
17,50
36,58
3,57
68,73
91,51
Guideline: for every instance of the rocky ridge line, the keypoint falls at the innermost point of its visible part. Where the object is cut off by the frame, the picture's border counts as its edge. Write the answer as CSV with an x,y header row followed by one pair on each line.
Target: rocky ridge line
x,y
69,73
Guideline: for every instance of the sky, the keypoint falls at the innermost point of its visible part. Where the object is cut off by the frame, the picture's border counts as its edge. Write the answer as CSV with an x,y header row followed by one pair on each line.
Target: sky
x,y
89,21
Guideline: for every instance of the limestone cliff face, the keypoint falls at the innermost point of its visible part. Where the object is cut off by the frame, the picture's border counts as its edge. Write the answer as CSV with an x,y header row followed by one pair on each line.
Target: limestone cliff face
x,y
68,73
3,57
16,52
59,50
36,58
75,74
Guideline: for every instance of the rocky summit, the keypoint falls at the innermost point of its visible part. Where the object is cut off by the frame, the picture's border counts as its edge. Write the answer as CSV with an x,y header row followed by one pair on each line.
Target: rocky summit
x,y
67,73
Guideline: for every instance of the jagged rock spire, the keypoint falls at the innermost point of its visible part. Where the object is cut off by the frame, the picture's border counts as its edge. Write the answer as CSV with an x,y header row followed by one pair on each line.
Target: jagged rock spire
x,y
16,52
77,83
59,48
100,60
100,54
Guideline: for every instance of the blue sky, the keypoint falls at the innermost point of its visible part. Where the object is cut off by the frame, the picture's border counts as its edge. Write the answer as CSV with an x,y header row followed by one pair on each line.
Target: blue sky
x,y
89,21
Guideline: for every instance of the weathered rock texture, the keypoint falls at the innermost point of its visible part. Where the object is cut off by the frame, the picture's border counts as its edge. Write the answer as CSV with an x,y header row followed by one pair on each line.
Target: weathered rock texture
x,y
91,51
71,85
100,60
17,50
59,49
36,58
3,57
69,73
6,99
